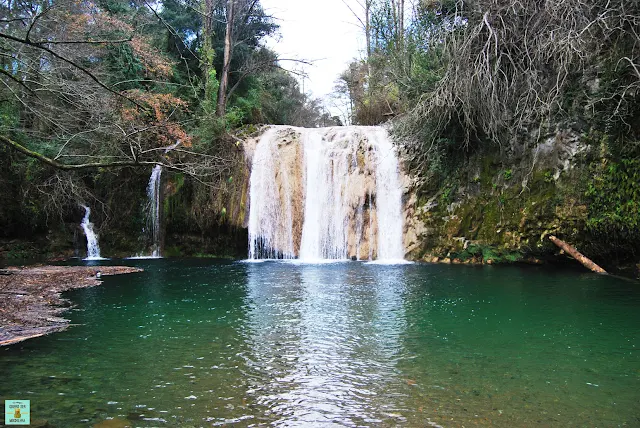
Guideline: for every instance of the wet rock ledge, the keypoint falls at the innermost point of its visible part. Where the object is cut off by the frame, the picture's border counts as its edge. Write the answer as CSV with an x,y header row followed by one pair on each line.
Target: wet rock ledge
x,y
30,301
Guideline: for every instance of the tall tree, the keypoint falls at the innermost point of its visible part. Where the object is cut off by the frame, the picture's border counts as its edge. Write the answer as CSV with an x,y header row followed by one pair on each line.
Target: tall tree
x,y
226,62
365,21
88,89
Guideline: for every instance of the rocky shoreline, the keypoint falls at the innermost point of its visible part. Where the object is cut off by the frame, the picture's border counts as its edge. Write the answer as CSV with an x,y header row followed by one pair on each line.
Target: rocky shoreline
x,y
31,302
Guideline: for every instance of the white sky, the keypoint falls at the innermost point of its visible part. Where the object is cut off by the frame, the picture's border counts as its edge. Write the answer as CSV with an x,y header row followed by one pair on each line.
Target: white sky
x,y
323,31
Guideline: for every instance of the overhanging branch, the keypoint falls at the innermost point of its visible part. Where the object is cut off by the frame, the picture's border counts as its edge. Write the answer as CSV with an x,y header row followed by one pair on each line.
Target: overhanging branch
x,y
82,42
66,167
198,171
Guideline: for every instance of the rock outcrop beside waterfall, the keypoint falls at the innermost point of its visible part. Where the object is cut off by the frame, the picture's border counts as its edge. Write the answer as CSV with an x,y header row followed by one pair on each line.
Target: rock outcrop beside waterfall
x,y
495,207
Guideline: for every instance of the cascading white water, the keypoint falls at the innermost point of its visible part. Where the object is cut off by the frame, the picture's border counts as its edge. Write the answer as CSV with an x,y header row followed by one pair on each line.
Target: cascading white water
x,y
388,198
270,216
349,200
330,198
153,210
93,249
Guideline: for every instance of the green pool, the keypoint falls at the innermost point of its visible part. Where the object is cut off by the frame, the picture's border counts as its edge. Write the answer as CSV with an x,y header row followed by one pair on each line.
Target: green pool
x,y
206,343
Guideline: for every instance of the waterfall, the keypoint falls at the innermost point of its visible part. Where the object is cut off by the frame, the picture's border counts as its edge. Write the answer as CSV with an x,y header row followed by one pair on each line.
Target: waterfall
x,y
270,216
325,193
93,249
330,198
389,199
152,229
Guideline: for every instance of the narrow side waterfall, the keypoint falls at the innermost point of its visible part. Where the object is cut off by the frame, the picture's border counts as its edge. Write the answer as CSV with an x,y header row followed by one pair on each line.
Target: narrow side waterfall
x,y
325,193
93,249
153,210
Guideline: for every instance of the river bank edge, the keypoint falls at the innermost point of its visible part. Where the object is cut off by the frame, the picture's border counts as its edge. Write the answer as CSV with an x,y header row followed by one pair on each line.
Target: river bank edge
x,y
31,300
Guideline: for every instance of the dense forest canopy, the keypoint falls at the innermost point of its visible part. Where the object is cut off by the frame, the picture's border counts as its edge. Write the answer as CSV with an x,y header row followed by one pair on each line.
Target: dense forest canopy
x,y
116,83
489,67
110,84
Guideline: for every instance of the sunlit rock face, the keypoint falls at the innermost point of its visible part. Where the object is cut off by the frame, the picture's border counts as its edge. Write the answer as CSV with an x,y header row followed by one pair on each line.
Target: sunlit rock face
x,y
325,193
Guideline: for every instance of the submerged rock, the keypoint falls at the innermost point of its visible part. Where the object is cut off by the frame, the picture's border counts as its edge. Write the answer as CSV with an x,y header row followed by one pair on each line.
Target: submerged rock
x,y
114,423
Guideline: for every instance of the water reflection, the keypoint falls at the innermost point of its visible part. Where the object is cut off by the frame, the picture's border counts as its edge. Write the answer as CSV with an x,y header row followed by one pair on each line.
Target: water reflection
x,y
325,341
201,343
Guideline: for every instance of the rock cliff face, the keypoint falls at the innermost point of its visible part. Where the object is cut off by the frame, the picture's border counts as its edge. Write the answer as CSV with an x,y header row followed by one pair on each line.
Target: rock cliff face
x,y
208,220
492,206
501,207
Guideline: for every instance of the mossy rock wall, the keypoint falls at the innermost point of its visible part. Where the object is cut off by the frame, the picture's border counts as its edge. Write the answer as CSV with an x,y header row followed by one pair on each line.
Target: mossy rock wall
x,y
203,220
495,208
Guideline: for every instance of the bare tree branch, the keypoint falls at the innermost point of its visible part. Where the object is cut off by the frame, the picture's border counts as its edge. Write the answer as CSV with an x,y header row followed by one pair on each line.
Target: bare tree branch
x,y
72,63
82,42
12,77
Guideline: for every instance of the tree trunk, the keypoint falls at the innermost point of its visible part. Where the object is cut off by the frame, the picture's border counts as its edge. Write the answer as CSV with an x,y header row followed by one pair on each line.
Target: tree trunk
x,y
367,25
577,255
208,34
208,18
226,62
394,17
401,22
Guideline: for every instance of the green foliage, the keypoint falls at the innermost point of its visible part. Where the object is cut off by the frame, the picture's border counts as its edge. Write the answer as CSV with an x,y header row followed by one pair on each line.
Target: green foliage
x,y
123,66
439,162
115,6
614,195
234,117
210,99
245,109
175,203
474,250
22,210
20,251
485,253
47,105
447,194
172,251
617,106
9,116
183,17
405,62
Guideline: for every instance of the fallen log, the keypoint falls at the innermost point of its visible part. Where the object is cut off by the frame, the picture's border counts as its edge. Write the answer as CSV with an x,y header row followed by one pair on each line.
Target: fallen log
x,y
586,262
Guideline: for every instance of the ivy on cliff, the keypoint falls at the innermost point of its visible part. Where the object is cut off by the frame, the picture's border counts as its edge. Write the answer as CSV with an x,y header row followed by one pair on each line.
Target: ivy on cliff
x,y
614,208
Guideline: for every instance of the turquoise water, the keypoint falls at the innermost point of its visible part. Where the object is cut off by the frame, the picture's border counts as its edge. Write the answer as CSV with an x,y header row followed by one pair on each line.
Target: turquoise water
x,y
206,343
